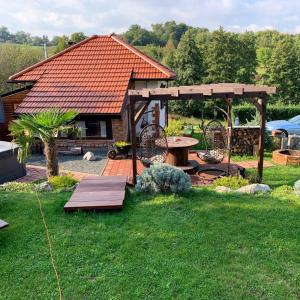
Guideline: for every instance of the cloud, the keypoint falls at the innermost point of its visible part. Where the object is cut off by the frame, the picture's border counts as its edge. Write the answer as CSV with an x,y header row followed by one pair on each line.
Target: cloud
x,y
102,16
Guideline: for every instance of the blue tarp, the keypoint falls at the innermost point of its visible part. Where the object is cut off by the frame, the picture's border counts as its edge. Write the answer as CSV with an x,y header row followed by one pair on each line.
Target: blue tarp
x,y
2,116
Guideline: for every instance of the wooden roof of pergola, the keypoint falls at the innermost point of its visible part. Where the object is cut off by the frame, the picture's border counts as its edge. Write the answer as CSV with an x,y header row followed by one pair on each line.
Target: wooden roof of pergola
x,y
218,90
228,91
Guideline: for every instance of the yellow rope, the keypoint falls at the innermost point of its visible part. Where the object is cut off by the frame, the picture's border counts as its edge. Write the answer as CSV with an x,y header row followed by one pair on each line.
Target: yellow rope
x,y
50,247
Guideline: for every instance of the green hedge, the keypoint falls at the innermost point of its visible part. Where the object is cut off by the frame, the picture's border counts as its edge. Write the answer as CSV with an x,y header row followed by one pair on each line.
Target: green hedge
x,y
274,112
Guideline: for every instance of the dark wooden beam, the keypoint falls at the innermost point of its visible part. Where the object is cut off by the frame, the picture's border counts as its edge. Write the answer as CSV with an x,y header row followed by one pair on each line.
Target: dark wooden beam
x,y
261,146
140,113
133,138
229,131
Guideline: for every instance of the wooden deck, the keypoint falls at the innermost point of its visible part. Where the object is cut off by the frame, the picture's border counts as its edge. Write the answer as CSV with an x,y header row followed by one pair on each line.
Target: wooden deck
x,y
3,224
98,193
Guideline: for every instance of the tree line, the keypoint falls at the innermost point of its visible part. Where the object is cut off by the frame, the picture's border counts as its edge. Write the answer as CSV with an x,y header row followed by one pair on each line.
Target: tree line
x,y
22,37
198,56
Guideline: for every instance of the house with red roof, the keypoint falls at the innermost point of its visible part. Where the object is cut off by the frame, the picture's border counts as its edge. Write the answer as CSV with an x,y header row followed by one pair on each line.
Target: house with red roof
x,y
92,77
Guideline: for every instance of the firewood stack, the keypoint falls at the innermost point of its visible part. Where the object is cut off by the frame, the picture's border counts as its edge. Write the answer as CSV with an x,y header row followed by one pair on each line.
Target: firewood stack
x,y
245,140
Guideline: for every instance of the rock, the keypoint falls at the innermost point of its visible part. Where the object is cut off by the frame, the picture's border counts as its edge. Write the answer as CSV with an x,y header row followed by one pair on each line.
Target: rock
x,y
223,189
254,188
89,156
44,187
297,188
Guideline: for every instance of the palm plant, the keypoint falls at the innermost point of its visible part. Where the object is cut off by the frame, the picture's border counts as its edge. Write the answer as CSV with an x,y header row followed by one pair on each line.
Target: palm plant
x,y
44,126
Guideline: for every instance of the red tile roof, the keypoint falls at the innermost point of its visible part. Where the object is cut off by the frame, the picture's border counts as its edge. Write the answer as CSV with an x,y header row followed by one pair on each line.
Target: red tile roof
x,y
91,77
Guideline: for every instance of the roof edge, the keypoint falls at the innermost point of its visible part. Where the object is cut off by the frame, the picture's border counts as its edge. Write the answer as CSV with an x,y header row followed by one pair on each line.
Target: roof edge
x,y
145,57
28,87
14,76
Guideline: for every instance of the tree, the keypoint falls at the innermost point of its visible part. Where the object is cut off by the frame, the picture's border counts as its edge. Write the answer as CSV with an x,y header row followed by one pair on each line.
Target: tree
x,y
222,57
169,54
152,51
138,36
247,58
188,60
55,40
169,30
77,37
189,70
21,37
284,70
62,44
14,58
44,126
4,34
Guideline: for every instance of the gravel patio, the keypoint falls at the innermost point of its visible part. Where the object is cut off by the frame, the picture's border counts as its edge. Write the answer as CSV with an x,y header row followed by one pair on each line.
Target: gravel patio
x,y
74,163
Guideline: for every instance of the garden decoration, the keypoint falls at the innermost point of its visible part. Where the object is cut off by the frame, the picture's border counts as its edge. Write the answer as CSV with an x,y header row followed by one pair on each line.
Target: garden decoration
x,y
119,148
153,145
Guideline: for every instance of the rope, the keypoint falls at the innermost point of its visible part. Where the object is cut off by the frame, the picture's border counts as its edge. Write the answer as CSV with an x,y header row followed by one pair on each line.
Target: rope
x,y
50,247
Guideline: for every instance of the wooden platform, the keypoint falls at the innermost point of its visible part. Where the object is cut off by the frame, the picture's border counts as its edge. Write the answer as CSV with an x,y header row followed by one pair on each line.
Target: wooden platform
x,y
3,224
98,193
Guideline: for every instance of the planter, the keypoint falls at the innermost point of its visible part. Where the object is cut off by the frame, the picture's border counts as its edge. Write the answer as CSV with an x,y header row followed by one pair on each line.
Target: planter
x,y
286,157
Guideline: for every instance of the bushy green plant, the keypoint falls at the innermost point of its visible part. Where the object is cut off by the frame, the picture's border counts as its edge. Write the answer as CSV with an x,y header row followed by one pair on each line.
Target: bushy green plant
x,y
163,178
274,111
14,186
175,128
121,144
283,191
233,182
63,181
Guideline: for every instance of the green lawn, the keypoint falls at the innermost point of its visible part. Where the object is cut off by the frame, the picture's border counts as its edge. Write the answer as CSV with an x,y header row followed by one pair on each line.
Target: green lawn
x,y
201,245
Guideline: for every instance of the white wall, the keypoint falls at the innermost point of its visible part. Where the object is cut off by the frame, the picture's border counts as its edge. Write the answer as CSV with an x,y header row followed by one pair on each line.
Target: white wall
x,y
151,84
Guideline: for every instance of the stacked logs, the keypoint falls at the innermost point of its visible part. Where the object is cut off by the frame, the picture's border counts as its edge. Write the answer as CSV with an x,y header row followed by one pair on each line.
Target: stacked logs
x,y
245,140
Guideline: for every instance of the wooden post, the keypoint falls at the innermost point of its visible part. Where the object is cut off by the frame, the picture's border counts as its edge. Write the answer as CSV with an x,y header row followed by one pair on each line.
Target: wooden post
x,y
261,145
133,138
229,132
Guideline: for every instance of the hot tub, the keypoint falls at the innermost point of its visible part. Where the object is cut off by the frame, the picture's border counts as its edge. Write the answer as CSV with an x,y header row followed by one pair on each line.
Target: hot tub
x,y
286,157
10,168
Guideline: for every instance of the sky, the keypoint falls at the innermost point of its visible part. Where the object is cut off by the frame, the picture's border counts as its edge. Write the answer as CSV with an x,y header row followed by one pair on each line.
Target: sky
x,y
57,17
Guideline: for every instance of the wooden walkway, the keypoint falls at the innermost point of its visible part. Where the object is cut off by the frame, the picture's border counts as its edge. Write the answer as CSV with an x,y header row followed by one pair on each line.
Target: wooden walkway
x,y
3,224
98,193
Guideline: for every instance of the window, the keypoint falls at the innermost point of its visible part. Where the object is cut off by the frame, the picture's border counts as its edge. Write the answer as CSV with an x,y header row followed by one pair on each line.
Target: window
x,y
96,128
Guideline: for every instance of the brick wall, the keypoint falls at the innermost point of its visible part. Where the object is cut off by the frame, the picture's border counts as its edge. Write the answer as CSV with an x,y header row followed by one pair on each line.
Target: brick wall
x,y
119,129
10,103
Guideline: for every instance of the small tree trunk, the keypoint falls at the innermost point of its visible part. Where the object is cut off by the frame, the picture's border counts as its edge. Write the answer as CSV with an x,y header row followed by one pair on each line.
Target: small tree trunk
x,y
51,158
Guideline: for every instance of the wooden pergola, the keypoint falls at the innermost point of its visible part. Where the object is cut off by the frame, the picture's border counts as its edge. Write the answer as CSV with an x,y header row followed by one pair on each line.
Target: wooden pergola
x,y
257,95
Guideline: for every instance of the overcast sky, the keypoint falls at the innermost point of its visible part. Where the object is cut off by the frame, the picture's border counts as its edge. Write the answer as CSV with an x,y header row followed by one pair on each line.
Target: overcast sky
x,y
57,17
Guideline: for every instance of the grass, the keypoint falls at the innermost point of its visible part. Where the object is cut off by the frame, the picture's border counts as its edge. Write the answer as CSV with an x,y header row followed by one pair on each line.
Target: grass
x,y
201,245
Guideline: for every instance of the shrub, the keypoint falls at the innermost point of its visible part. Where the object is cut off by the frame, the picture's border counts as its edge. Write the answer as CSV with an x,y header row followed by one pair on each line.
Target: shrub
x,y
283,191
61,182
274,112
175,128
233,182
163,178
17,187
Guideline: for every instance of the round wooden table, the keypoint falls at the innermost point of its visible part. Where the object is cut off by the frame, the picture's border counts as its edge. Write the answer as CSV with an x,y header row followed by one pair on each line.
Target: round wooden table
x,y
178,154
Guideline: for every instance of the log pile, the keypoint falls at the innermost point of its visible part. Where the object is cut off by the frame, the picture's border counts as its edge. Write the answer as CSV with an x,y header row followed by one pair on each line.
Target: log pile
x,y
245,140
